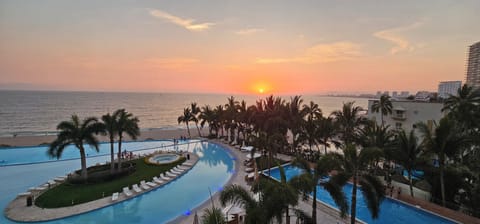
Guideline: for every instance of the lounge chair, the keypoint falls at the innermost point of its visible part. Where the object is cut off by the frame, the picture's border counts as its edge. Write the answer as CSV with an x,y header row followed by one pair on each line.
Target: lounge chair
x,y
151,184
175,172
158,181
165,178
136,188
127,192
180,168
59,179
248,169
170,174
144,185
187,164
24,194
115,196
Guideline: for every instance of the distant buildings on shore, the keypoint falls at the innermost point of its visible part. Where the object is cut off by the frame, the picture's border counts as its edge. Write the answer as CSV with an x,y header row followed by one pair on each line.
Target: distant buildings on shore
x,y
473,66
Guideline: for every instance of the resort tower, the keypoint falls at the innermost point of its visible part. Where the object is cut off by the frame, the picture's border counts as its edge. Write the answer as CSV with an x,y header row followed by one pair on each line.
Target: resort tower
x,y
473,66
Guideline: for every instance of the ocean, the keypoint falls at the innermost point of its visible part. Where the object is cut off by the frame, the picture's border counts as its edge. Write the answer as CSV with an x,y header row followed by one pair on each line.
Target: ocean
x,y
38,112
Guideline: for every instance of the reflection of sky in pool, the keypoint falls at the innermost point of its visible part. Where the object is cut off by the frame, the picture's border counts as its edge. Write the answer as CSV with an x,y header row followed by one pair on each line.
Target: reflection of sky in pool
x,y
391,211
178,197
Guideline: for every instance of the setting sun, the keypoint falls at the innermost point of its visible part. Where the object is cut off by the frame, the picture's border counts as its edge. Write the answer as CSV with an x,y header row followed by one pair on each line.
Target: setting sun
x,y
261,90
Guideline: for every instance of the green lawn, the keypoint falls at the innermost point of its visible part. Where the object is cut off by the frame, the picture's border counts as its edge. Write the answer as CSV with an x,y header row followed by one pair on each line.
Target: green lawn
x,y
69,194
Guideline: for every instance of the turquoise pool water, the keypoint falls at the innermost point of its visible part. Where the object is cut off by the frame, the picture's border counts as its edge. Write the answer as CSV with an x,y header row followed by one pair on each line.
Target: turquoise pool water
x,y
391,211
175,199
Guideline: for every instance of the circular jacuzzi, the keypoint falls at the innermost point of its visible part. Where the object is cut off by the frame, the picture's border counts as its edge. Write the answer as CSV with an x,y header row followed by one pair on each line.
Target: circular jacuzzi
x,y
163,158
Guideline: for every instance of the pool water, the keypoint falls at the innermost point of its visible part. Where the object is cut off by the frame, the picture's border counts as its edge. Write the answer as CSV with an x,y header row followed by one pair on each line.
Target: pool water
x,y
165,158
391,211
177,198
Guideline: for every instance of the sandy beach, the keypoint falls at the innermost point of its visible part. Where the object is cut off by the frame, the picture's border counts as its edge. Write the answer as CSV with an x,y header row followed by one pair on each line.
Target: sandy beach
x,y
144,135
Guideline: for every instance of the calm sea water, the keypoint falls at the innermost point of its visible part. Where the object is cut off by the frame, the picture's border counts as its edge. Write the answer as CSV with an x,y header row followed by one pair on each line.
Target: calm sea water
x,y
38,112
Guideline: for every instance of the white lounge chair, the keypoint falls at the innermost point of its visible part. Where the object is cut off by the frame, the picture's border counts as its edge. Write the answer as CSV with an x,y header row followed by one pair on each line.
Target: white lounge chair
x,y
59,179
151,184
165,178
127,192
187,164
175,172
136,188
144,185
248,169
24,194
52,183
158,181
170,174
180,169
115,196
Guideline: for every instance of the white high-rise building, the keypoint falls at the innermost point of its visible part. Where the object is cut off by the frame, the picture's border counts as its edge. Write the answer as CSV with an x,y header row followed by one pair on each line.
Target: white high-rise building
x,y
473,66
447,88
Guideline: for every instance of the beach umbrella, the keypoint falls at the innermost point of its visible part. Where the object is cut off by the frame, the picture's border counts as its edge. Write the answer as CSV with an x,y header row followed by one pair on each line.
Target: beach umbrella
x,y
195,219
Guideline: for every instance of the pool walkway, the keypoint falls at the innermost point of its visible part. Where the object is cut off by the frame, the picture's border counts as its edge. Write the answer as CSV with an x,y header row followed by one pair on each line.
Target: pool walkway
x,y
18,211
325,214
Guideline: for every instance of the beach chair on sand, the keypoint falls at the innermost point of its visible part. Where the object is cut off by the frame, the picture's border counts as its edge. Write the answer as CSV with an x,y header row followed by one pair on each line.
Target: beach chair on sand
x,y
136,188
127,192
158,181
115,196
165,178
144,185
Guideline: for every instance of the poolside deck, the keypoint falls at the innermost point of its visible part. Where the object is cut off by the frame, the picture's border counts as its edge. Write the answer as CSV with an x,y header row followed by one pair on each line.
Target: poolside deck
x,y
18,211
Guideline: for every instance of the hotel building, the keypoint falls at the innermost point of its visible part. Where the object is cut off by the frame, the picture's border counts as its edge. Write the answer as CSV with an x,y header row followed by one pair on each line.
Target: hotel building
x,y
473,66
445,89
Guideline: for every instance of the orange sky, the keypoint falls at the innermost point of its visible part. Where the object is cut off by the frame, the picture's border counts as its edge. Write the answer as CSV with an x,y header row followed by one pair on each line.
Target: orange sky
x,y
235,47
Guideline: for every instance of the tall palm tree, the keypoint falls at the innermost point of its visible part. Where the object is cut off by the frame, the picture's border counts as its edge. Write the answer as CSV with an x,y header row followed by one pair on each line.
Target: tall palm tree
x,y
353,163
127,124
384,106
464,105
349,121
295,119
444,141
231,109
78,133
207,115
308,181
312,110
406,153
326,133
195,110
236,194
110,122
185,118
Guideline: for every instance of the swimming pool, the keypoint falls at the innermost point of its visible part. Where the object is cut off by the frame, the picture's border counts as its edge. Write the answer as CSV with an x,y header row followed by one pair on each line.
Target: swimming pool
x,y
163,158
391,211
177,198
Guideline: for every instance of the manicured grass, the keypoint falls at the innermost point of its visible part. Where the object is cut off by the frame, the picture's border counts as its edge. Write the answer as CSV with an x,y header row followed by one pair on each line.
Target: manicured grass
x,y
68,194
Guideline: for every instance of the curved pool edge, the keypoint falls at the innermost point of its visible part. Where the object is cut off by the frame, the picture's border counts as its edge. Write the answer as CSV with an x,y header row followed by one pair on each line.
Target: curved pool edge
x,y
14,211
195,208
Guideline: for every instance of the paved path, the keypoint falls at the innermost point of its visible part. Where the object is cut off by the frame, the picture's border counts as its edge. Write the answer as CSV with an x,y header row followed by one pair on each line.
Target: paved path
x,y
18,211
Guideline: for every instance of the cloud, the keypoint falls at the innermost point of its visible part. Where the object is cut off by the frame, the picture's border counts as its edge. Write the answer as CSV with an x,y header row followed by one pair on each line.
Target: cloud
x,y
248,31
320,53
393,35
188,24
171,63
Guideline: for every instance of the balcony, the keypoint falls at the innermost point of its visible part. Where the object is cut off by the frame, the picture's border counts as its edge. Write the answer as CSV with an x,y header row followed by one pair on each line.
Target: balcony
x,y
399,114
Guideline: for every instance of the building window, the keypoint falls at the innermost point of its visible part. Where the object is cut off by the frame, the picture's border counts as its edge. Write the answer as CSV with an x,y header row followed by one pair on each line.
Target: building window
x,y
414,126
398,125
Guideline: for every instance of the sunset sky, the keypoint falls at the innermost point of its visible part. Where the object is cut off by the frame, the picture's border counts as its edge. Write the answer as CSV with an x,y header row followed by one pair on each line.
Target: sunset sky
x,y
227,46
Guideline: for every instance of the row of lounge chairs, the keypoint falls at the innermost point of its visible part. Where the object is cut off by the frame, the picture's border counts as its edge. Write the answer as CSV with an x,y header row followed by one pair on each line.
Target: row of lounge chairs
x,y
49,184
156,181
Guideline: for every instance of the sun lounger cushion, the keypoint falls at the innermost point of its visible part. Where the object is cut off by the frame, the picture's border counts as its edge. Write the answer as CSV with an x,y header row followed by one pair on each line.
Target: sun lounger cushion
x,y
115,196
136,188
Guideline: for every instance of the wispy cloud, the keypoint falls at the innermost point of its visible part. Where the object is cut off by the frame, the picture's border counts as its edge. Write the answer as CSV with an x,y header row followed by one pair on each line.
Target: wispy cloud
x,y
248,31
171,63
188,24
394,35
320,53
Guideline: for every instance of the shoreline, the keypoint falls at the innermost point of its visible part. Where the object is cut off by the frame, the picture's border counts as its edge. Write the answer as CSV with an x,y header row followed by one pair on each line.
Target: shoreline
x,y
149,134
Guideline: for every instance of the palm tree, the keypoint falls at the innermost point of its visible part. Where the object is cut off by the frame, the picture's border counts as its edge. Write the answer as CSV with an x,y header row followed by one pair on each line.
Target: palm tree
x,y
326,133
308,181
78,133
463,105
384,105
295,119
444,141
195,110
207,115
406,153
213,216
127,124
349,121
110,122
236,194
353,162
185,118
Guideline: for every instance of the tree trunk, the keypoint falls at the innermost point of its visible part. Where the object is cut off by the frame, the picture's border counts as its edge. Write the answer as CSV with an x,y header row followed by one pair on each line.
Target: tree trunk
x,y
442,184
410,181
325,147
83,161
314,205
354,199
120,137
112,155
383,122
287,216
199,134
188,130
